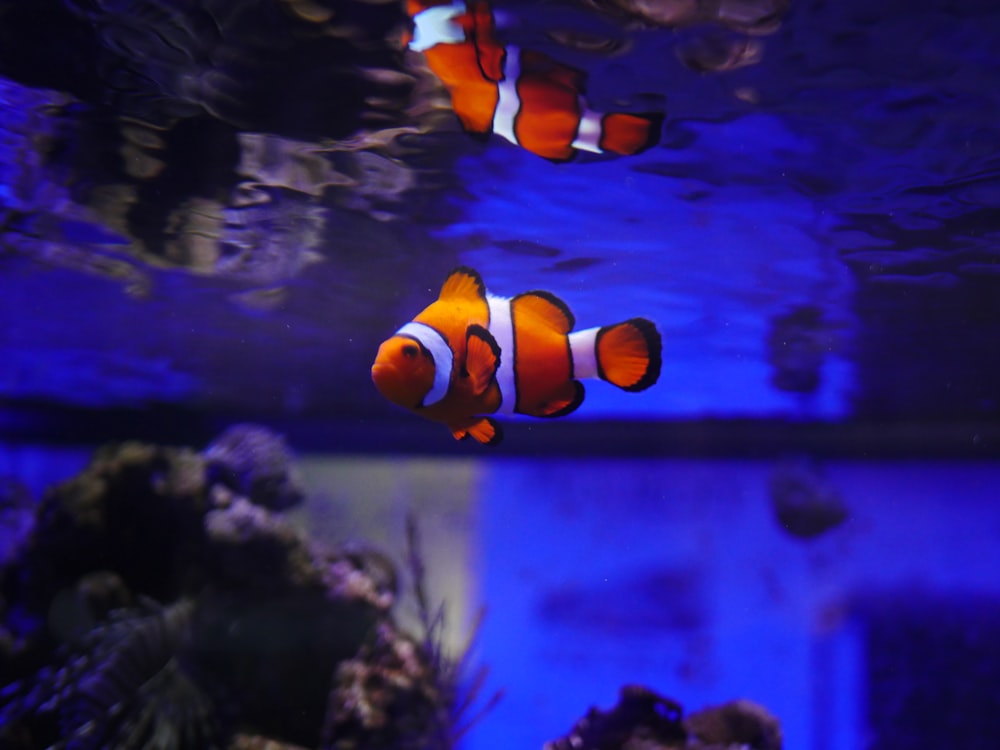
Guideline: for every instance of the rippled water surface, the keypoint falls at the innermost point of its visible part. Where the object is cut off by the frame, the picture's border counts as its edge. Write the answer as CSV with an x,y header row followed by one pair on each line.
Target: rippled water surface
x,y
230,209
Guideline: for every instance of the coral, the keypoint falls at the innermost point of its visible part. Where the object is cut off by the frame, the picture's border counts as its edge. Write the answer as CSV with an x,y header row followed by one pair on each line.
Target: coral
x,y
404,692
257,742
645,720
162,601
799,342
17,516
640,715
803,500
384,697
135,510
736,724
255,463
257,621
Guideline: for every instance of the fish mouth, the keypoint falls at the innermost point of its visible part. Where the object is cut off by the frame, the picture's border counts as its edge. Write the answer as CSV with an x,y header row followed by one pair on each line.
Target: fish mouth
x,y
380,371
389,381
384,376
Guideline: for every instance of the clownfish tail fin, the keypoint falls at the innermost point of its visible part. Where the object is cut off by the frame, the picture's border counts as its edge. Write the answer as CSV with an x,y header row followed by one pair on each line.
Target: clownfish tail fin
x,y
629,354
627,134
484,430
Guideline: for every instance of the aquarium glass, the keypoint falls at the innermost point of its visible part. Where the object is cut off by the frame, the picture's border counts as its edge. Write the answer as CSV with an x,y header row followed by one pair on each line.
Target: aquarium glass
x,y
543,374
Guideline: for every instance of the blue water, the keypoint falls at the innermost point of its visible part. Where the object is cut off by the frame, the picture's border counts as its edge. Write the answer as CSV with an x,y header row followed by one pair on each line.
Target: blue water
x,y
848,169
213,213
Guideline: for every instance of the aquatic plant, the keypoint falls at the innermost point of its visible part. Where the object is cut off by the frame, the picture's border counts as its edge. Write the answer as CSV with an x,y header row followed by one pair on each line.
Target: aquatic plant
x,y
405,691
460,684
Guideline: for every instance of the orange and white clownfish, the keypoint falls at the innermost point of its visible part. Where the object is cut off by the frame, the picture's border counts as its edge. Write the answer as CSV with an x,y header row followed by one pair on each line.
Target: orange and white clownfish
x,y
525,96
471,354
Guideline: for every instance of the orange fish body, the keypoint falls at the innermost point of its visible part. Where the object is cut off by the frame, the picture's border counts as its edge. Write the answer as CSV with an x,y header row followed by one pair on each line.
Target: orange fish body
x,y
470,355
524,96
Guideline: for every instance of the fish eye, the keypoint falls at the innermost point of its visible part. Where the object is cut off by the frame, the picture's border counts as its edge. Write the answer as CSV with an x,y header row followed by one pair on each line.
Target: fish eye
x,y
410,351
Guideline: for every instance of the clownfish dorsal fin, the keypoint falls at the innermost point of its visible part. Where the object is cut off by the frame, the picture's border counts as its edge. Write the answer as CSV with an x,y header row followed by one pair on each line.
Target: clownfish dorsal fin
x,y
463,283
545,308
482,358
485,431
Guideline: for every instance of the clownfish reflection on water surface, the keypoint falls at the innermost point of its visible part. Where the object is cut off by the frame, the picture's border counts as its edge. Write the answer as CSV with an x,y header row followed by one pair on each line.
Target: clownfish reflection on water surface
x,y
527,97
471,354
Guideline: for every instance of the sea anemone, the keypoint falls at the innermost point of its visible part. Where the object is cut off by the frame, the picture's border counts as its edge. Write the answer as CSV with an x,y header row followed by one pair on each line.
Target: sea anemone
x,y
122,686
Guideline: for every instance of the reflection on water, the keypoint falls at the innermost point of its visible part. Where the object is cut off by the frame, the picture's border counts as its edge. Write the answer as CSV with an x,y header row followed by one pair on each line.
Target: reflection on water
x,y
831,158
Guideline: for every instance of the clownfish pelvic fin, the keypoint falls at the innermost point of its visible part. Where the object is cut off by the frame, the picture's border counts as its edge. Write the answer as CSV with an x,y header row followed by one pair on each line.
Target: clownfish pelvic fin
x,y
484,430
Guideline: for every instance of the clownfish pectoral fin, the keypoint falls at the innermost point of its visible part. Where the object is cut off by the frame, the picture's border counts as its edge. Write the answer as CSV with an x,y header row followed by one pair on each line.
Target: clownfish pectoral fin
x,y
565,402
482,358
544,308
485,431
624,133
463,283
629,354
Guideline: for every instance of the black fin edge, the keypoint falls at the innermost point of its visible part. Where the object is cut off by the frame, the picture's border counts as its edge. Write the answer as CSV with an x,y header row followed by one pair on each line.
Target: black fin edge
x,y
480,284
572,406
480,332
655,120
550,297
654,345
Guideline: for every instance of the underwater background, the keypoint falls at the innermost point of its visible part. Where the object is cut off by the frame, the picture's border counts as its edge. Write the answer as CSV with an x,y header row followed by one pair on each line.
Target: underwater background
x,y
216,532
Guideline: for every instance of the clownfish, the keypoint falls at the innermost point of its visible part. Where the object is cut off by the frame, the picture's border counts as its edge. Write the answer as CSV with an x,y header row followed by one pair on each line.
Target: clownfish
x,y
524,96
471,354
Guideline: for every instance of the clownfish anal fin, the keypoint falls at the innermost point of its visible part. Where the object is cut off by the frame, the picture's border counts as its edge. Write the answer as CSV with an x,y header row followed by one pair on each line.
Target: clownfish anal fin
x,y
545,308
566,401
482,358
485,431
463,283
